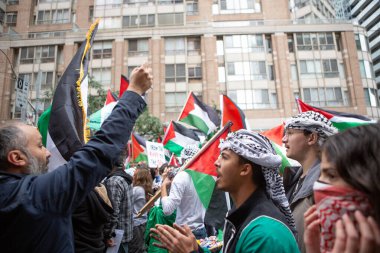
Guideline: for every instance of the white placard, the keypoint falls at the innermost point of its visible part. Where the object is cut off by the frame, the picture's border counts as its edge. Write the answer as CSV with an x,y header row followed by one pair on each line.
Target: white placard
x,y
156,154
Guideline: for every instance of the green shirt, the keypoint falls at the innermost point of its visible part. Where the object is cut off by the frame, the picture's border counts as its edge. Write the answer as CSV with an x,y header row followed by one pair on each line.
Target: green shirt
x,y
265,234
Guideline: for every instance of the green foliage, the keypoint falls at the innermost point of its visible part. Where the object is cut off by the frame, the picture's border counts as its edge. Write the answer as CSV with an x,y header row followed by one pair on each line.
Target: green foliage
x,y
149,126
96,101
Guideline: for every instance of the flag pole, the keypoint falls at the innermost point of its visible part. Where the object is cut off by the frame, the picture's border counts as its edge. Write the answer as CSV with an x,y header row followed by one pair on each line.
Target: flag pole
x,y
183,167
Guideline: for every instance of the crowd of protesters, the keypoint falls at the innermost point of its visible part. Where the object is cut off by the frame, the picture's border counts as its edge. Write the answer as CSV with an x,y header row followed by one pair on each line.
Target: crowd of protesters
x,y
92,203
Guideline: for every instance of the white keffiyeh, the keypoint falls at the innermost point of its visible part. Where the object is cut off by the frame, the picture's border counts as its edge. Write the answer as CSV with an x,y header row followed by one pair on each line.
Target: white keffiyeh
x,y
258,149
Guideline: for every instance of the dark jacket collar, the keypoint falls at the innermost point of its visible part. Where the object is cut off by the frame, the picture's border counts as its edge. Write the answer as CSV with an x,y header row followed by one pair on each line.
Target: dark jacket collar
x,y
238,216
6,175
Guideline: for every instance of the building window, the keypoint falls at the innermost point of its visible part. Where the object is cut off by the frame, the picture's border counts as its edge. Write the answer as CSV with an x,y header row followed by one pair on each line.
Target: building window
x,y
371,98
330,68
110,22
193,45
326,41
191,7
102,49
245,43
175,73
365,69
139,21
141,2
12,2
271,73
258,71
60,16
324,96
361,42
315,41
174,46
46,80
167,19
138,47
102,76
254,70
290,43
253,99
43,53
240,6
195,73
11,18
268,43
310,69
90,13
163,2
174,101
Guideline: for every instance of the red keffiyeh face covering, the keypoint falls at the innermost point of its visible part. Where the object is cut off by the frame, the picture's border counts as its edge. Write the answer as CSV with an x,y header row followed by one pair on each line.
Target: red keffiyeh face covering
x,y
332,203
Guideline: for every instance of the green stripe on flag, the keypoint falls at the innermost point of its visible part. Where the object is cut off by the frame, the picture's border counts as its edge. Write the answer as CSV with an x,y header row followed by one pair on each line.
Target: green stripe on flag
x,y
341,126
174,147
43,124
204,185
285,162
141,157
196,122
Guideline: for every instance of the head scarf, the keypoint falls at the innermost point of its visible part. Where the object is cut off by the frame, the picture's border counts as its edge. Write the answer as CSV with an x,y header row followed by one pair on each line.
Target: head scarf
x,y
332,203
189,151
313,122
258,149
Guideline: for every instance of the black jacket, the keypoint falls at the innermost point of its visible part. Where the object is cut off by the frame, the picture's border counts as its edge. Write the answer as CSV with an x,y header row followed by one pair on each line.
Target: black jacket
x,y
88,222
237,219
35,211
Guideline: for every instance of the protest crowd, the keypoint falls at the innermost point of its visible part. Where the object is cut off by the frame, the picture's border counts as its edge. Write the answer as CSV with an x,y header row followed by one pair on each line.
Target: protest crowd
x,y
304,186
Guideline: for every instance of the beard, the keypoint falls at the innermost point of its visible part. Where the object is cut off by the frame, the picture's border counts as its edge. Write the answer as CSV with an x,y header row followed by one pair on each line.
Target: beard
x,y
36,167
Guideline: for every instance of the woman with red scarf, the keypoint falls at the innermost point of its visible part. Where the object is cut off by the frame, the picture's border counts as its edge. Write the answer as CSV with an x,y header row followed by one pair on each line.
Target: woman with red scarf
x,y
346,216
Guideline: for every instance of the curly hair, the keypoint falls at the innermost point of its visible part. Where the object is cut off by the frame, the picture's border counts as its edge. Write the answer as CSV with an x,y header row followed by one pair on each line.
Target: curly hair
x,y
355,154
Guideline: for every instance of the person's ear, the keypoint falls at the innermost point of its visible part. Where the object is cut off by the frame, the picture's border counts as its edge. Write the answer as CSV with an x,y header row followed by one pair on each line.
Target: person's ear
x,y
17,158
312,139
246,168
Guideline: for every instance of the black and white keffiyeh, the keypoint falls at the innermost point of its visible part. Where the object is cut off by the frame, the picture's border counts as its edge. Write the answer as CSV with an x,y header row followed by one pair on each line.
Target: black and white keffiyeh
x,y
258,149
313,122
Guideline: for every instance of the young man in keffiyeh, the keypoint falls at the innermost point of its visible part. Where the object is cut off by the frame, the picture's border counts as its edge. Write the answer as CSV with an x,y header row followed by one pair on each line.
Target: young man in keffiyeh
x,y
260,220
303,138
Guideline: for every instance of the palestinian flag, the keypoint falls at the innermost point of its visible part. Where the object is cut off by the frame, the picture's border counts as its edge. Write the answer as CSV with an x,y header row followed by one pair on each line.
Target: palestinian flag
x,y
178,136
275,136
43,124
201,167
203,174
340,120
231,112
173,161
67,130
96,119
124,83
138,148
199,115
110,97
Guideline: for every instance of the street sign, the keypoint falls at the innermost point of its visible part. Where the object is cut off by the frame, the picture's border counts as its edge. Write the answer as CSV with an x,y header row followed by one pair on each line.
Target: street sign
x,y
22,91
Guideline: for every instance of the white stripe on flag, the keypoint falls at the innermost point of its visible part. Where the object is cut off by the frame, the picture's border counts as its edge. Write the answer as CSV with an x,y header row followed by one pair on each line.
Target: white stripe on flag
x,y
56,158
349,119
183,140
204,116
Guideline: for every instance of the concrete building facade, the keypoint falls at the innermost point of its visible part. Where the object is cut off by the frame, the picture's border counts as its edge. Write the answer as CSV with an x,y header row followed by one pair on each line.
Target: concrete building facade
x,y
251,50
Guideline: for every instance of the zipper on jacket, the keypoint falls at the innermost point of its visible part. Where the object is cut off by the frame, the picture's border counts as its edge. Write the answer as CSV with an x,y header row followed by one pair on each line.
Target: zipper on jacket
x,y
233,230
